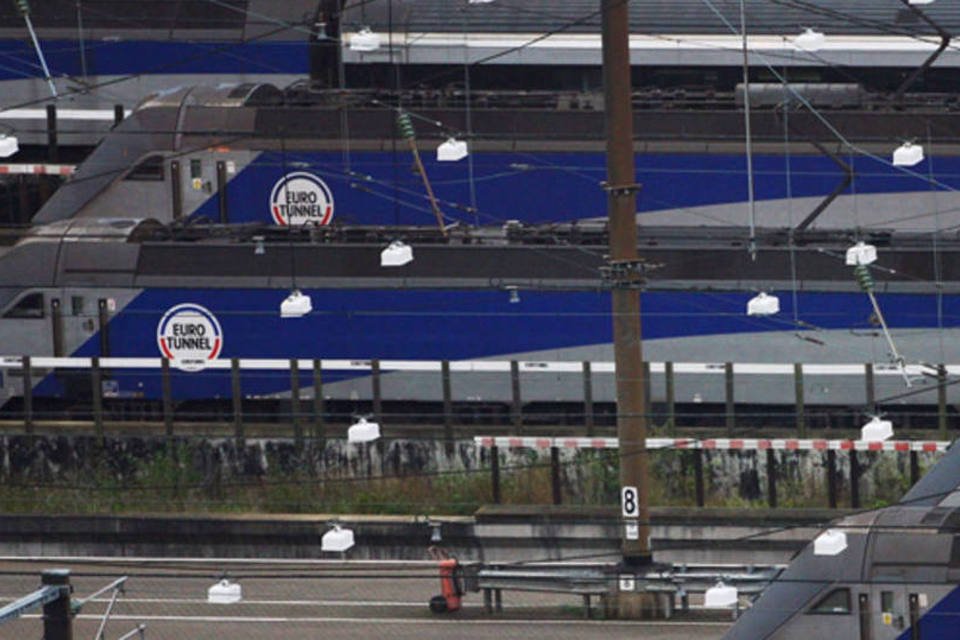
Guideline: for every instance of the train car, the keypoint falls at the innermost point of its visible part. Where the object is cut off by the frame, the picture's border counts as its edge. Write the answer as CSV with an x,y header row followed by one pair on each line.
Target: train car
x,y
227,198
199,296
99,53
892,575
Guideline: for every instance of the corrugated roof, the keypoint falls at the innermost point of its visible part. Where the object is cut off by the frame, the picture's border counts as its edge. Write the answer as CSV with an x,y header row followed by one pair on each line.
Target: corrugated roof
x,y
845,17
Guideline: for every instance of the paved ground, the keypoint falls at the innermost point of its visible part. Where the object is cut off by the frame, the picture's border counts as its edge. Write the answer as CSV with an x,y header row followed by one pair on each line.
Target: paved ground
x,y
313,600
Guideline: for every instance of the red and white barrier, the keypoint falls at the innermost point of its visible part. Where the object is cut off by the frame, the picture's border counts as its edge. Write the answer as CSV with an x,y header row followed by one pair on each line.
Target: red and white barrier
x,y
720,444
38,169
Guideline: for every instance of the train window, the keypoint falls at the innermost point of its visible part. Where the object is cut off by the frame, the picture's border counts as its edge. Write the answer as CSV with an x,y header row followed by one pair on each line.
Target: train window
x,y
837,601
150,168
76,305
954,562
29,306
886,601
196,168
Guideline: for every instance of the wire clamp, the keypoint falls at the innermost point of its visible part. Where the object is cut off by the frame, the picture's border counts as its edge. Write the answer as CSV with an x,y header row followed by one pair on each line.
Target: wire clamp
x,y
621,190
627,274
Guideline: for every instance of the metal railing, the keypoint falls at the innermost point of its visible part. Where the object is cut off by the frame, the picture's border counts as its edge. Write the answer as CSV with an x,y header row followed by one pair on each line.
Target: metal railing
x,y
525,394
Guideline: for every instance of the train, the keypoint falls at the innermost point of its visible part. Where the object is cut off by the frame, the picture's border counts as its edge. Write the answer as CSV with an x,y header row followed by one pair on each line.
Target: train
x,y
879,575
174,223
183,232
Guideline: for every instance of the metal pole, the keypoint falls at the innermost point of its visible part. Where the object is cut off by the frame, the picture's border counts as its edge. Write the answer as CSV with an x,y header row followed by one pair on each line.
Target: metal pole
x,y
495,474
832,478
771,479
799,396
942,401
43,60
698,476
53,146
555,475
57,624
870,388
319,429
854,480
588,420
237,398
729,413
447,403
167,396
96,392
295,403
27,395
516,407
671,398
622,214
377,403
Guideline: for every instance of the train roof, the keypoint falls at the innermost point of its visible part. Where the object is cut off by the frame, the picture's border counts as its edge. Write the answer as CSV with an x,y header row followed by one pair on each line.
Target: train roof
x,y
860,33
770,17
225,20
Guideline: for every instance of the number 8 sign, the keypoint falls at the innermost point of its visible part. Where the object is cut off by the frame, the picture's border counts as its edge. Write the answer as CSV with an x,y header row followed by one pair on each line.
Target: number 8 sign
x,y
629,503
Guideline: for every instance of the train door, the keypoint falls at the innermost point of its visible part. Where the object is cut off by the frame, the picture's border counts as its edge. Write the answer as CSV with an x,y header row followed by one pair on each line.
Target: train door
x,y
865,616
896,609
902,611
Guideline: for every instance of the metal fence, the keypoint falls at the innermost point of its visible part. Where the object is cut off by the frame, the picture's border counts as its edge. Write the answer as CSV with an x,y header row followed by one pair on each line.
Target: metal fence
x,y
301,394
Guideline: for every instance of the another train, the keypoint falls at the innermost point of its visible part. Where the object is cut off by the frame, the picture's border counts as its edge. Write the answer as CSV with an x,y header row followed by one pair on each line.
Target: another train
x,y
227,198
891,576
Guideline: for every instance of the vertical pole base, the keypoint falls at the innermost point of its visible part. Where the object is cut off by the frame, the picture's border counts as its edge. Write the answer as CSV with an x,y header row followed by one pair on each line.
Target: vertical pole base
x,y
637,606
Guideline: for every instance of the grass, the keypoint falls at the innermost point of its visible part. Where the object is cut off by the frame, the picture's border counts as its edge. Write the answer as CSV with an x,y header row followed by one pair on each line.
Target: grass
x,y
186,478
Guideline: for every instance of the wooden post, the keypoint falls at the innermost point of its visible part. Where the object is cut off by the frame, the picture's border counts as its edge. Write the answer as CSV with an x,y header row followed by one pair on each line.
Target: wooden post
x,y
914,467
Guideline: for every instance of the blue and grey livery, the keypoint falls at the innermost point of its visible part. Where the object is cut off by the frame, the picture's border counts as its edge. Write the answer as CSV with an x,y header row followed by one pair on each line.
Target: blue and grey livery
x,y
896,580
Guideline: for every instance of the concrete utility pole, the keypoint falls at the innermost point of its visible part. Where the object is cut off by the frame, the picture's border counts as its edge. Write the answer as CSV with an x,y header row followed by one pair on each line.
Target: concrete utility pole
x,y
625,276
57,620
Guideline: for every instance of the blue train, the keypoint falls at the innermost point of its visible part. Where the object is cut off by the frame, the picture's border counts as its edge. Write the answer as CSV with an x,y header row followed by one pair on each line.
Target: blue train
x,y
197,216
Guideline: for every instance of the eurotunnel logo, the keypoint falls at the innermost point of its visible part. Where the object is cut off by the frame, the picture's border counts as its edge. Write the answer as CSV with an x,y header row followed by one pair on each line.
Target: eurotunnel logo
x,y
189,336
301,198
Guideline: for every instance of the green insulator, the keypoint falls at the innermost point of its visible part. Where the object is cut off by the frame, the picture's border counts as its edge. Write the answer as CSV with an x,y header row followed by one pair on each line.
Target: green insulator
x,y
864,278
23,6
405,125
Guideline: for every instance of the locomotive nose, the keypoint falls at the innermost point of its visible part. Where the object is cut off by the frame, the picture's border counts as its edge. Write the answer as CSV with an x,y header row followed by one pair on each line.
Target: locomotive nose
x,y
774,610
